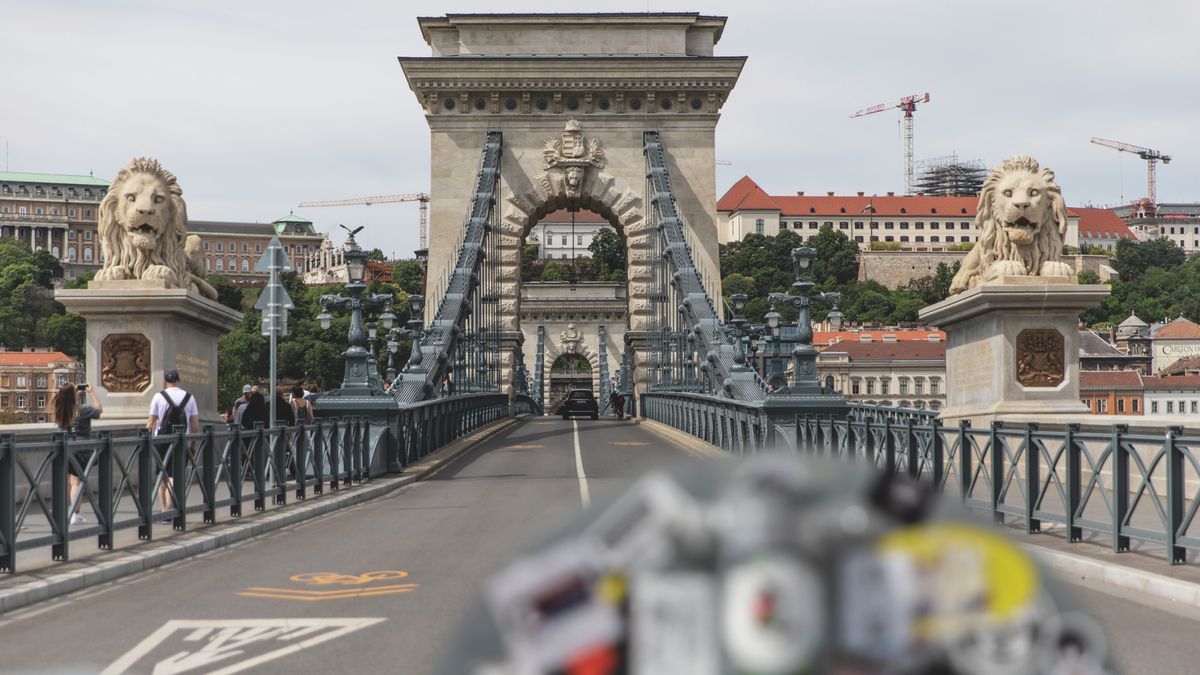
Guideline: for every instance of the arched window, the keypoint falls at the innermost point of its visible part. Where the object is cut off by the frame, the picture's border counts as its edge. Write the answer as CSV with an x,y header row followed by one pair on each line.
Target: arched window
x,y
55,251
220,264
71,253
87,253
758,225
829,382
245,264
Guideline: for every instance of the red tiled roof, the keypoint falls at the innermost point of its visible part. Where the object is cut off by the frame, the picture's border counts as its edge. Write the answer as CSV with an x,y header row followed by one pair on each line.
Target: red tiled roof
x,y
1180,328
908,350
821,338
1172,382
885,206
1182,366
746,195
1101,224
581,216
1110,379
32,359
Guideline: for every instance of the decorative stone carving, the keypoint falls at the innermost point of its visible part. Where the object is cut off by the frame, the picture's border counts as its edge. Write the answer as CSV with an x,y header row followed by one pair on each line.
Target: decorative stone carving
x,y
569,156
125,363
143,230
1040,357
571,339
1022,219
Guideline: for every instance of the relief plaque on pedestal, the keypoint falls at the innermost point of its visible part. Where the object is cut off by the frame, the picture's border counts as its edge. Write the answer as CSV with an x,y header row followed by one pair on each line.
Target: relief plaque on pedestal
x,y
1040,357
125,363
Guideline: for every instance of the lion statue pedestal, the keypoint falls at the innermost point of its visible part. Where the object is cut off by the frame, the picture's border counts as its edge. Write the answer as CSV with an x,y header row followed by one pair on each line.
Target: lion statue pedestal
x,y
149,308
1012,349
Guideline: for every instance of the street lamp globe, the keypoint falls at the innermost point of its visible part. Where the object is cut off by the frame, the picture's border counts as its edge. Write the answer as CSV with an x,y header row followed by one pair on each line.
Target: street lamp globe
x,y
326,319
416,305
802,258
739,302
387,319
835,318
772,318
371,330
356,262
393,345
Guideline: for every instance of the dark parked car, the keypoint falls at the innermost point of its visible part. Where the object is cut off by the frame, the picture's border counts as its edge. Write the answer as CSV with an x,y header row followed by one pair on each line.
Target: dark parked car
x,y
579,402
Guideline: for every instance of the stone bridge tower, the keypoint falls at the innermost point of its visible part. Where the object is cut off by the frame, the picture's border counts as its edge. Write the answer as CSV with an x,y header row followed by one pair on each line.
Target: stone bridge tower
x,y
572,95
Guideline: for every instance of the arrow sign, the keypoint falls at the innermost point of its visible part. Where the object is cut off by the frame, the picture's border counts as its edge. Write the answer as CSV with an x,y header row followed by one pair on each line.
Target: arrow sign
x,y
274,302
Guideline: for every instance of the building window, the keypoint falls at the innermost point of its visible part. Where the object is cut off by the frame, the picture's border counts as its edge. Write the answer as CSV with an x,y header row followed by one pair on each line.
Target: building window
x,y
72,235
41,402
1182,408
1120,405
20,400
843,225
884,385
87,254
904,386
1101,405
4,401
87,213
71,254
858,225
220,247
87,235
1193,407
245,247
579,240
220,264
258,248
1154,407
904,224
870,386
245,264
758,227
919,237
71,213
855,386
38,211
919,386
1170,406
206,246
41,382
904,237
20,380
812,224
933,386
1135,405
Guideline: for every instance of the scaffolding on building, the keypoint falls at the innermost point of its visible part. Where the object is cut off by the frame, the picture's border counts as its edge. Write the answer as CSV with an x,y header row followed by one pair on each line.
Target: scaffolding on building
x,y
949,176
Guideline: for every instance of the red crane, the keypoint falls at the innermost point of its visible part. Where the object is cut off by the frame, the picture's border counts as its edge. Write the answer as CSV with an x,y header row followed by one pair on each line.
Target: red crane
x,y
1151,157
909,105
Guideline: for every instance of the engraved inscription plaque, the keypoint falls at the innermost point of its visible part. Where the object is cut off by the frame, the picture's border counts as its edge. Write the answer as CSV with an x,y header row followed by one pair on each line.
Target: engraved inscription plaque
x,y
1041,360
125,363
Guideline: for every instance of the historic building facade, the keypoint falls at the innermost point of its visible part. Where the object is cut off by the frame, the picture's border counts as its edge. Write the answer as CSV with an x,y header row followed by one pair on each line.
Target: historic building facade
x,y
887,371
570,316
1176,340
232,249
28,380
55,213
1112,392
561,236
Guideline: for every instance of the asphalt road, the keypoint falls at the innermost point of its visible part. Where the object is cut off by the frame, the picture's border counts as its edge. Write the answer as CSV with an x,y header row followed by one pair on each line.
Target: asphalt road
x,y
384,586
436,541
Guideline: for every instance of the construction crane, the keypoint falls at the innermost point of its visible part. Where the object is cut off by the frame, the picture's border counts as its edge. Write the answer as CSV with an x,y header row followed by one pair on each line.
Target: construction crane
x,y
386,199
909,105
1151,157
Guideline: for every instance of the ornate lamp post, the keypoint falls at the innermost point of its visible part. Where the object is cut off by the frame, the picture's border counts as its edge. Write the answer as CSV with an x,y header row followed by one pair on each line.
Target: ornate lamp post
x,y
804,357
413,330
357,376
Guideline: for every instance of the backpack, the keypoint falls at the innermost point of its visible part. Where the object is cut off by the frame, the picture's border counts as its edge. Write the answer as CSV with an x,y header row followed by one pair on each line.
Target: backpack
x,y
176,415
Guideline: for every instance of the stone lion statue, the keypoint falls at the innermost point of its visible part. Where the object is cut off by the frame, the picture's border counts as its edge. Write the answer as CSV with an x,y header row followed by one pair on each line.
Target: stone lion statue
x,y
1022,219
143,230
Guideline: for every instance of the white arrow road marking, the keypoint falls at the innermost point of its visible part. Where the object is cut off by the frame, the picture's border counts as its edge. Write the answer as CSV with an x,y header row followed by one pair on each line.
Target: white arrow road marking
x,y
584,497
227,639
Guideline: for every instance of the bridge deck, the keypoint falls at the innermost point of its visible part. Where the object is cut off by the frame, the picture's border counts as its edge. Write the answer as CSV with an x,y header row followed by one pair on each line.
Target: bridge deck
x,y
447,534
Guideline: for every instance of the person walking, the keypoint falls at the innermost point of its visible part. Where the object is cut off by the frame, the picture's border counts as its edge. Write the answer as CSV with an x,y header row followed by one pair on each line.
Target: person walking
x,y
302,408
241,403
620,403
313,394
612,402
284,415
254,411
171,407
74,416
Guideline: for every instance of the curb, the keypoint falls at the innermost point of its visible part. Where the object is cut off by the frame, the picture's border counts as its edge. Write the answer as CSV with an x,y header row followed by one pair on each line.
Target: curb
x,y
1080,568
686,441
105,569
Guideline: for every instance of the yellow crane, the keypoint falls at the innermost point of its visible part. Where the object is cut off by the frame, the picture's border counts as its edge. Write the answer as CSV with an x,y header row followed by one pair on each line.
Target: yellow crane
x,y
420,197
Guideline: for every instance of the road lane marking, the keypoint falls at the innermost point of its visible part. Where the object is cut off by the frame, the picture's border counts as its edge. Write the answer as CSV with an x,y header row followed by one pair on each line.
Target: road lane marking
x,y
625,443
528,446
226,639
584,497
327,578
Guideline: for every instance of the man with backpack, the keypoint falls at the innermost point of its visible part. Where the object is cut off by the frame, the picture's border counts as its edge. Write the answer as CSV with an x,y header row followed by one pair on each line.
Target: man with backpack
x,y
171,407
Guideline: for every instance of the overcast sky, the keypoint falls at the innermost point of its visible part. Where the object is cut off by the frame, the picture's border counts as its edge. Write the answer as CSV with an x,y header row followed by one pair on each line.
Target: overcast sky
x,y
259,104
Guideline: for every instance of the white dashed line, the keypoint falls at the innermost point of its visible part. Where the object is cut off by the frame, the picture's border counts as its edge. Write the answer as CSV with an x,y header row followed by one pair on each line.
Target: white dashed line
x,y
584,498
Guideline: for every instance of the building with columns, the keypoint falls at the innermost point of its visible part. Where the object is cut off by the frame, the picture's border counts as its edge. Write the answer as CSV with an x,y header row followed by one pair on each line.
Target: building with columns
x,y
880,369
231,249
55,213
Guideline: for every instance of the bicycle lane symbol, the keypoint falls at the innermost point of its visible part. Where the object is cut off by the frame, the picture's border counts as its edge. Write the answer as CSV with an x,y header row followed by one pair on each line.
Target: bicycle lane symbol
x,y
340,586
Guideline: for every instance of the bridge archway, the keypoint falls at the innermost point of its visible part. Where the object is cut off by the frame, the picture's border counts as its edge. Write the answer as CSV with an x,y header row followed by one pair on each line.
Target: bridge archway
x,y
573,119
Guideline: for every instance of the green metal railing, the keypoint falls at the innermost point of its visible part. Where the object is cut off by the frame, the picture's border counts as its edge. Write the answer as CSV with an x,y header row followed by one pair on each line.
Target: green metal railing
x,y
121,477
736,426
1122,486
419,429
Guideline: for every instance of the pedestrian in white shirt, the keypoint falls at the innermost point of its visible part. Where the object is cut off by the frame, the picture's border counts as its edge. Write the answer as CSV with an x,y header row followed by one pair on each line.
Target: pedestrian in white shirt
x,y
171,407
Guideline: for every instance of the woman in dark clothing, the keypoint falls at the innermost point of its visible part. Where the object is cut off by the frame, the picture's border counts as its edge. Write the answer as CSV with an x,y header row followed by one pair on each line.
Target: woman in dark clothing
x,y
76,421
284,415
255,411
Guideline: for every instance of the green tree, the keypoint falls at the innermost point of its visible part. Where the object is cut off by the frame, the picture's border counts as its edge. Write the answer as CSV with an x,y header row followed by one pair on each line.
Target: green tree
x,y
553,271
1087,276
608,252
66,333
885,246
409,275
1133,258
837,257
738,283
228,293
963,246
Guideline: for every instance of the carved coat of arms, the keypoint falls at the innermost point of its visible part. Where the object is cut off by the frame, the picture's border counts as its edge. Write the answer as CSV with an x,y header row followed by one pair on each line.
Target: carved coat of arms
x,y
570,155
571,339
125,363
1040,357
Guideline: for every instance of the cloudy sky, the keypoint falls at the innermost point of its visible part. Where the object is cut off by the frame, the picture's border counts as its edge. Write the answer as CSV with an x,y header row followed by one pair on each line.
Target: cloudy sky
x,y
259,104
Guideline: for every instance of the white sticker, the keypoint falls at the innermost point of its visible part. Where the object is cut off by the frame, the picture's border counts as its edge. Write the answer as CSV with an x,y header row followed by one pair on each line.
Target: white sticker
x,y
876,603
546,607
638,532
772,615
229,646
672,624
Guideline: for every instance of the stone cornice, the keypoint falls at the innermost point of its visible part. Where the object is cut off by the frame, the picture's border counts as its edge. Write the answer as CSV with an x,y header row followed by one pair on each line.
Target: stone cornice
x,y
541,73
